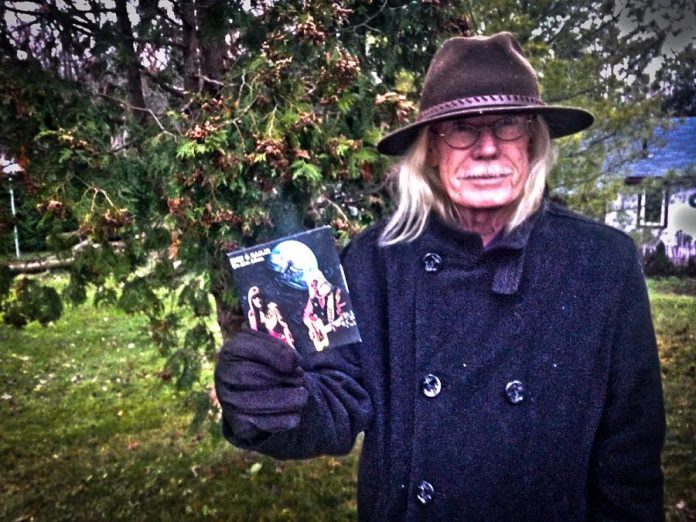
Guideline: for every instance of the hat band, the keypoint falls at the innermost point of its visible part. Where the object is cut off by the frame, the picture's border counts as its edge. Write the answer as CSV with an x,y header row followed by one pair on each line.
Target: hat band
x,y
479,102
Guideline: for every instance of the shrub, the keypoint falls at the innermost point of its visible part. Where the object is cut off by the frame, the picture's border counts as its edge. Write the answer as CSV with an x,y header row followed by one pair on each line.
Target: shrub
x,y
657,264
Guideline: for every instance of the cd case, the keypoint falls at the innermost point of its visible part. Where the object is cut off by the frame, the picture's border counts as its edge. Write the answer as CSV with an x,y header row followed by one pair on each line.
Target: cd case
x,y
294,289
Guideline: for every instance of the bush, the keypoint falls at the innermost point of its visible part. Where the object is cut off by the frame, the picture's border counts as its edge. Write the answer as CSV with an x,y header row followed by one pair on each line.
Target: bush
x,y
657,264
689,270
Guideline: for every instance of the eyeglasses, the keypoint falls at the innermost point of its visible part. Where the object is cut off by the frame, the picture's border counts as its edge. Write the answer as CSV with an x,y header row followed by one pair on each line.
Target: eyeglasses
x,y
460,135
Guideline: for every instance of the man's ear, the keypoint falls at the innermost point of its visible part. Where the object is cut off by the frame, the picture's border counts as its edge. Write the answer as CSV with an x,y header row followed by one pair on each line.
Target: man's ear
x,y
433,157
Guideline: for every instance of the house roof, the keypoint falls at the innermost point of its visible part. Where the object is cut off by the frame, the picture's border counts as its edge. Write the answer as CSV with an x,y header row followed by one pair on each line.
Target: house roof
x,y
674,150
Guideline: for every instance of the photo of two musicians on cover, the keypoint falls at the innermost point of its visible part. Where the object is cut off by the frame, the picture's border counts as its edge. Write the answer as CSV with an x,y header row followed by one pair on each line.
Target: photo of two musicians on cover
x,y
294,289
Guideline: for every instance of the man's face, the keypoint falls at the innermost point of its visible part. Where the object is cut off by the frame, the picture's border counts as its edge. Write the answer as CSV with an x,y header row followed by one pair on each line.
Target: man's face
x,y
492,171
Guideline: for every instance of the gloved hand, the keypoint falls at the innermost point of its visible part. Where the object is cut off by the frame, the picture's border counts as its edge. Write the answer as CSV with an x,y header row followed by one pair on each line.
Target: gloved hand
x,y
259,384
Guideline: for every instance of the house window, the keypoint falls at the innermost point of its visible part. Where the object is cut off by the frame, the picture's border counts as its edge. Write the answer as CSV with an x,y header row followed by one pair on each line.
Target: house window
x,y
652,208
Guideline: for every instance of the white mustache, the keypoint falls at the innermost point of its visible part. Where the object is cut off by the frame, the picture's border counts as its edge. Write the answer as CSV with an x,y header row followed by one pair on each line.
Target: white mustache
x,y
487,173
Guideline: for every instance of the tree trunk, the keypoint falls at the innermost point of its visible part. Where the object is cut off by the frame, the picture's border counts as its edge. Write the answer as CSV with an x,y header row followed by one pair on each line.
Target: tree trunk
x,y
5,44
212,30
190,41
130,62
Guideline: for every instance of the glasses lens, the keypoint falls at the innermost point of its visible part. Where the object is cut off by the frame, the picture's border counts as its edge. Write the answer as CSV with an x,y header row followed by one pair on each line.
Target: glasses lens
x,y
460,135
509,128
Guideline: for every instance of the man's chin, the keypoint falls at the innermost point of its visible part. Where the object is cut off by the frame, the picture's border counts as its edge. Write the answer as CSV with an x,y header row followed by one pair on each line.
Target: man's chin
x,y
486,200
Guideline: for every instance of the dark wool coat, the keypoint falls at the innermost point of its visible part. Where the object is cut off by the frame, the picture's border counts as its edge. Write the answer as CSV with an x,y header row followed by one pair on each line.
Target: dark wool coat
x,y
517,382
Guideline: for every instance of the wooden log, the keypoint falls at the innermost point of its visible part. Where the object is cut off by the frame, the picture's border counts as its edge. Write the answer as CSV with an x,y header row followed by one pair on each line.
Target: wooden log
x,y
33,266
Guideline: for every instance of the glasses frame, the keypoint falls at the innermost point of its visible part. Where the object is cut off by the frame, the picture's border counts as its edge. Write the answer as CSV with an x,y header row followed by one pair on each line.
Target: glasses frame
x,y
525,125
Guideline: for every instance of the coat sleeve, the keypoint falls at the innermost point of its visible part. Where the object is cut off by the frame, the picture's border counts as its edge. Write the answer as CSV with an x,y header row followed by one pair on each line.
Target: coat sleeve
x,y
337,410
625,481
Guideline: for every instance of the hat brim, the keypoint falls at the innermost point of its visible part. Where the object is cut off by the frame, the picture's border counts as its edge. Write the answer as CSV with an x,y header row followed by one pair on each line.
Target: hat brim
x,y
562,121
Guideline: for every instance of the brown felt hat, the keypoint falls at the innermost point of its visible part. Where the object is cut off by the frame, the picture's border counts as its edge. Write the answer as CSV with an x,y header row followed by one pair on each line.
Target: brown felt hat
x,y
476,75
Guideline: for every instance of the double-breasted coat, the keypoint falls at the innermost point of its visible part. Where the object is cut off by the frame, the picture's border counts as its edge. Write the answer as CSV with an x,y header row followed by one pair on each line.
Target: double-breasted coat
x,y
518,381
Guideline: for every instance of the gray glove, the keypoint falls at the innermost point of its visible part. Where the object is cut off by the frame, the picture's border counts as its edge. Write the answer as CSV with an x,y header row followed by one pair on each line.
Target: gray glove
x,y
260,384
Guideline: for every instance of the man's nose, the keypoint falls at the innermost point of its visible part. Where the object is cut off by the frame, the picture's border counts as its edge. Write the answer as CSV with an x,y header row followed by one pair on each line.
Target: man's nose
x,y
487,145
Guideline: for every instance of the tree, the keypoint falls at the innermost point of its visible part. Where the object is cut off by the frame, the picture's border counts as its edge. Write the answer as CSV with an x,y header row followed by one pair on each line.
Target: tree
x,y
162,135
165,137
679,84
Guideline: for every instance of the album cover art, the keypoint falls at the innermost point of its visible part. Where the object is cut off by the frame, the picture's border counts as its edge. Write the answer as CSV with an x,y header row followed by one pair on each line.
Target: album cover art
x,y
294,289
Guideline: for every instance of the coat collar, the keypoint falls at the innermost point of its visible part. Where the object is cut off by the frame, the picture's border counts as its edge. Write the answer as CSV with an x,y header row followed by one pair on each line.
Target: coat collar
x,y
508,249
508,275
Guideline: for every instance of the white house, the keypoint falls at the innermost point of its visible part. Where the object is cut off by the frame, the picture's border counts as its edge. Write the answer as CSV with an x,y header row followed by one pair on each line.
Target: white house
x,y
660,200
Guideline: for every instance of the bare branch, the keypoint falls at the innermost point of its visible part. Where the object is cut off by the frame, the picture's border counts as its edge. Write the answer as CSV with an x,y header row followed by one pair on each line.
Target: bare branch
x,y
211,80
165,15
324,200
140,109
17,10
162,84
365,23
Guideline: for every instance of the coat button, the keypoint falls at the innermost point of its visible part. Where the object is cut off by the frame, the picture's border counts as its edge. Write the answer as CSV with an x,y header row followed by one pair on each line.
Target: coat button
x,y
514,391
432,262
431,385
425,492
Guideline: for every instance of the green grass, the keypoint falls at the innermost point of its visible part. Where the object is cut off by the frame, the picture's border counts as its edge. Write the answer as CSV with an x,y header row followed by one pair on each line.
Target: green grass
x,y
673,285
89,431
674,313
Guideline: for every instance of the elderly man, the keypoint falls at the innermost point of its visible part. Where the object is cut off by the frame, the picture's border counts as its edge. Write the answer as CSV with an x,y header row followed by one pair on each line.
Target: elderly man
x,y
508,368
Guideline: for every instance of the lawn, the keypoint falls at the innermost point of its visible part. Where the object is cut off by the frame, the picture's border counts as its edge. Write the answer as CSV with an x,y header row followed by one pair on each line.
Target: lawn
x,y
674,314
90,431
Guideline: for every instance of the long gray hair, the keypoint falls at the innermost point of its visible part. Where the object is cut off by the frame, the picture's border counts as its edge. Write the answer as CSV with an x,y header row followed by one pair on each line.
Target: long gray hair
x,y
419,189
